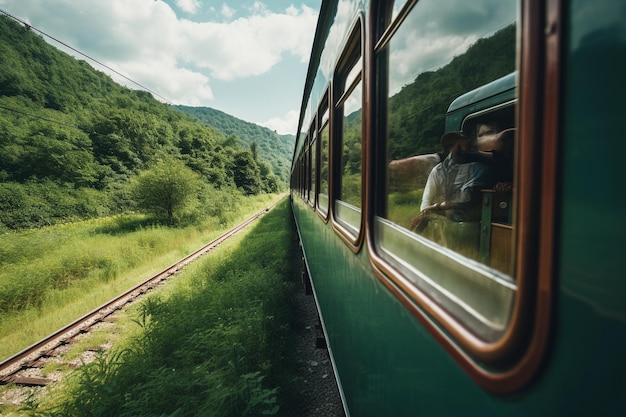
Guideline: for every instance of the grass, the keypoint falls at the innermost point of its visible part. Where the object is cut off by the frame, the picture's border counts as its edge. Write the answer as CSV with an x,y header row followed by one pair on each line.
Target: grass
x,y
51,276
213,343
404,206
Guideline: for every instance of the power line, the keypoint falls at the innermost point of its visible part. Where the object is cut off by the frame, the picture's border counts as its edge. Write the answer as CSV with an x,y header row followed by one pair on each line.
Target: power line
x,y
46,119
29,26
35,116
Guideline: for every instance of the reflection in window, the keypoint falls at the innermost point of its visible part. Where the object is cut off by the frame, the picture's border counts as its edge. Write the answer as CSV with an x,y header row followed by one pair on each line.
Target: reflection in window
x,y
351,155
307,174
397,7
323,191
313,167
435,181
347,139
448,75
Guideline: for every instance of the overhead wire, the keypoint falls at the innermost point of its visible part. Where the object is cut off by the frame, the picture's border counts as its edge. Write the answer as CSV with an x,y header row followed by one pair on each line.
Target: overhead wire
x,y
29,26
36,116
47,119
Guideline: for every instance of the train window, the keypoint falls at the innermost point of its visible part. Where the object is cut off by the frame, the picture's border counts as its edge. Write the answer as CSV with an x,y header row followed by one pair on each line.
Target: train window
x,y
305,169
446,109
322,198
297,175
301,179
397,8
302,175
313,153
348,138
351,152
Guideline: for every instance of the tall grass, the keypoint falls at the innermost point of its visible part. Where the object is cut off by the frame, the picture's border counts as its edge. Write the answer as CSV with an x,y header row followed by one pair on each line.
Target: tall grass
x,y
51,276
404,206
212,344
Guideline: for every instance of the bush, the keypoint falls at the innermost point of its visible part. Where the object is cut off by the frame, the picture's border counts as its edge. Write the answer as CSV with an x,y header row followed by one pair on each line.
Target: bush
x,y
44,203
168,190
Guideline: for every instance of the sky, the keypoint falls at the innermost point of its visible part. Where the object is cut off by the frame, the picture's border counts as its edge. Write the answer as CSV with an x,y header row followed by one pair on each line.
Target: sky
x,y
246,58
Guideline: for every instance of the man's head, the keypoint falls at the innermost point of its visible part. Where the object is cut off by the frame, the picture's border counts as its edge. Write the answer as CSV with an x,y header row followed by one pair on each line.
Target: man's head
x,y
455,142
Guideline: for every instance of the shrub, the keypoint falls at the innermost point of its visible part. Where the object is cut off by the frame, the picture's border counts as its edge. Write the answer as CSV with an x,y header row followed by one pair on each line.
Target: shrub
x,y
167,190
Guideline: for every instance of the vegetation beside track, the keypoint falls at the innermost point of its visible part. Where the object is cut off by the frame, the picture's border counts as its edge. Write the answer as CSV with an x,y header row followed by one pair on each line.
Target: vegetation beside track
x,y
51,276
214,343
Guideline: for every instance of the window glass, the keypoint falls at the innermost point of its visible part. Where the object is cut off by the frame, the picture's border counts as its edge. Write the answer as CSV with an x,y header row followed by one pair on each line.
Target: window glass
x,y
351,149
323,189
353,76
448,120
397,7
347,141
302,176
313,167
307,174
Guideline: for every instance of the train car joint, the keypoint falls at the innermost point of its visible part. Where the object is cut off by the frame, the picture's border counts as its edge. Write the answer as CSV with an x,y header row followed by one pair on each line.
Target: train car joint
x,y
320,339
306,282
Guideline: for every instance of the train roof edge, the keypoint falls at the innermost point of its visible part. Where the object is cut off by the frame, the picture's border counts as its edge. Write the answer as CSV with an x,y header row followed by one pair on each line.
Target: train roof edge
x,y
484,97
321,30
503,84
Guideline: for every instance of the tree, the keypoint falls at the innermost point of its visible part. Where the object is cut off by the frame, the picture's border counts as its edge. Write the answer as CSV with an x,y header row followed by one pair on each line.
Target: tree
x,y
270,181
246,173
254,148
167,189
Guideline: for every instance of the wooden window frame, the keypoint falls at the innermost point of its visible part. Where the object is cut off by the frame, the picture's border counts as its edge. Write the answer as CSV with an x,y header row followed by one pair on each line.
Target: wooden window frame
x,y
323,117
341,90
516,357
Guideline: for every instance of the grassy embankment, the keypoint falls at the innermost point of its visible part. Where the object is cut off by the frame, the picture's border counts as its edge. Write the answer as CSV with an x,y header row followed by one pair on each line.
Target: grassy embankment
x,y
212,343
51,276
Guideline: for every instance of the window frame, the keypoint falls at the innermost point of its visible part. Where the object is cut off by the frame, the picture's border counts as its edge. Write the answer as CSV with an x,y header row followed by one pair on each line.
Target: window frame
x,y
509,363
353,54
310,149
306,172
323,118
313,167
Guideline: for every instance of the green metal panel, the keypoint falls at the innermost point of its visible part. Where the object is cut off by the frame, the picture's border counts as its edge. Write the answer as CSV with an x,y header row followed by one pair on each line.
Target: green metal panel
x,y
388,365
590,360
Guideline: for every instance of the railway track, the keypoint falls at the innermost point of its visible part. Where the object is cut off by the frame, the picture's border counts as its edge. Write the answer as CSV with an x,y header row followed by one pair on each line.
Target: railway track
x,y
13,369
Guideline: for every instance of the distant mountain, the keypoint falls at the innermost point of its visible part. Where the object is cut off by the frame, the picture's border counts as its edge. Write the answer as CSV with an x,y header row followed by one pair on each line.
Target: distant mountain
x,y
273,148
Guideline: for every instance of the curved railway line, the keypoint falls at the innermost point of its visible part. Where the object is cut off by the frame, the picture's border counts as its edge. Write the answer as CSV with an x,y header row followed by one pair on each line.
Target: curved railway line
x,y
31,357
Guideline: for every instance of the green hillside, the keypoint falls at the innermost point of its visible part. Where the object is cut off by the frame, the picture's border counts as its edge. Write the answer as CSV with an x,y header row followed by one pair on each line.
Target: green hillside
x,y
417,112
273,148
73,141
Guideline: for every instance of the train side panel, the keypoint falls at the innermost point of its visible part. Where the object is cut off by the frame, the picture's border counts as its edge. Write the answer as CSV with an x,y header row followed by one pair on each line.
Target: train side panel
x,y
385,361
393,355
587,364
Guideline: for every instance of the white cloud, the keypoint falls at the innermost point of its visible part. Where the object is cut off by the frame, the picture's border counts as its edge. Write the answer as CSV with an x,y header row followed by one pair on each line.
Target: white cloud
x,y
258,8
287,124
189,6
227,11
248,46
146,41
179,85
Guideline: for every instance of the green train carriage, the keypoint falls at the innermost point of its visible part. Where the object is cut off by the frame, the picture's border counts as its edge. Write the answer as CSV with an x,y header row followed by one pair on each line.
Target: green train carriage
x,y
519,310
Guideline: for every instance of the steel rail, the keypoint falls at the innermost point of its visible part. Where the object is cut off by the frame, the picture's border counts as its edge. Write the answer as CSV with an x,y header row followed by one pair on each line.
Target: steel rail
x,y
28,357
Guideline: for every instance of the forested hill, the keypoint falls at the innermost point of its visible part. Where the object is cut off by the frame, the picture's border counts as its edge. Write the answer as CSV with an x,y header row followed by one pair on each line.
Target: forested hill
x,y
72,140
417,112
272,147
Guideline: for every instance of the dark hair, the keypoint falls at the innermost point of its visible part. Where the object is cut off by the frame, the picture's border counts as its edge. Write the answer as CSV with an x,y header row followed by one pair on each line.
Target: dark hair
x,y
449,139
